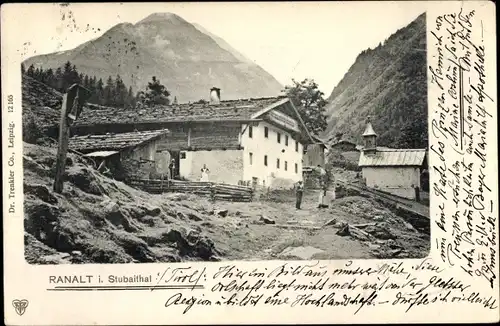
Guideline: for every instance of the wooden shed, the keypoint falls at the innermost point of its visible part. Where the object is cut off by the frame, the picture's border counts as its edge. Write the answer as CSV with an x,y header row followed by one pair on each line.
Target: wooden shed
x,y
122,155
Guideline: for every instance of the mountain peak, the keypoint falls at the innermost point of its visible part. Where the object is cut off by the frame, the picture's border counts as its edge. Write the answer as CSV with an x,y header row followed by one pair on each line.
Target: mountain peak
x,y
163,17
165,45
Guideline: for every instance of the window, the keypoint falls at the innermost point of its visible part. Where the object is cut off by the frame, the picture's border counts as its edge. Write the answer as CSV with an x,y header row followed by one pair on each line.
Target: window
x,y
265,160
250,132
266,132
278,163
182,155
296,146
286,166
250,156
278,137
286,140
296,168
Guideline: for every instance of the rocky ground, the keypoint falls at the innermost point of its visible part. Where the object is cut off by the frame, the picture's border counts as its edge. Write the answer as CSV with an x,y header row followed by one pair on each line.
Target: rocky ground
x,y
100,220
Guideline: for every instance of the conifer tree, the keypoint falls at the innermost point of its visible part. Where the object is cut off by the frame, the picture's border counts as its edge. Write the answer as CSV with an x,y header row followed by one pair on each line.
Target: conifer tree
x,y
59,79
31,71
109,92
99,90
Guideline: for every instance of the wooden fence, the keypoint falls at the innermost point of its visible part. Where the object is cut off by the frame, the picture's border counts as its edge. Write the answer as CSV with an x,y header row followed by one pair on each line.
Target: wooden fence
x,y
216,191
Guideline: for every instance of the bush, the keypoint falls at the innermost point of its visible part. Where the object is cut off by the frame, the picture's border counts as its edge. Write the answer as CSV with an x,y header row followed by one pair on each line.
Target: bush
x,y
31,128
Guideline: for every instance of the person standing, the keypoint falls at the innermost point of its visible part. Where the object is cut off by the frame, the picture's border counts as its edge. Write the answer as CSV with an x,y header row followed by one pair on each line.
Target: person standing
x,y
299,190
204,173
171,168
322,182
322,196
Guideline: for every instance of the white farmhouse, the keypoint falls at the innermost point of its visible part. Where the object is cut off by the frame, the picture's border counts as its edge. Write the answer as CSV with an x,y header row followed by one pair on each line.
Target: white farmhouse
x,y
257,142
395,171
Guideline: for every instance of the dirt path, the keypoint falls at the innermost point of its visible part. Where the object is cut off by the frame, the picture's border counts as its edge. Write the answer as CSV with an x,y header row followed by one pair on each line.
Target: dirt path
x,y
292,229
97,219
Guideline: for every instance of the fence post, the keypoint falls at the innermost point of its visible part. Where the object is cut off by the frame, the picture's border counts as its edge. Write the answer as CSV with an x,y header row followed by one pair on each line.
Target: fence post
x,y
73,102
213,191
161,184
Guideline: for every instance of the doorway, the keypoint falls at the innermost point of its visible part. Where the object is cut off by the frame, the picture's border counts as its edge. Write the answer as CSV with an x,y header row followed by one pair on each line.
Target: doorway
x,y
176,156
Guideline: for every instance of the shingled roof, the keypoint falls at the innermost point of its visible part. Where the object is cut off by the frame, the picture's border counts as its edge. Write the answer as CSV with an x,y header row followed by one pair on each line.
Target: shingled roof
x,y
393,157
113,142
227,110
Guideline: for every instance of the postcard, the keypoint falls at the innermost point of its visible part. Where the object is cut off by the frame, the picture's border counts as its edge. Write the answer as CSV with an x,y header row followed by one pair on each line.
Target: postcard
x,y
250,163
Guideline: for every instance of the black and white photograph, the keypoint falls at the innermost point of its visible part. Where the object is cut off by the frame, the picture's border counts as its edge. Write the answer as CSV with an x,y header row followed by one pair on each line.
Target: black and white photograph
x,y
158,140
250,163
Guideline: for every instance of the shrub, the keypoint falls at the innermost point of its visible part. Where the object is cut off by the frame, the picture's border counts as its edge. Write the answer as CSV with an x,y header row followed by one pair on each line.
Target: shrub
x,y
32,130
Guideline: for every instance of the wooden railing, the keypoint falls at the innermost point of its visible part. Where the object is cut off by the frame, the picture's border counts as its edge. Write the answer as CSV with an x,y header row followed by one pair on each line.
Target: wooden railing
x,y
216,191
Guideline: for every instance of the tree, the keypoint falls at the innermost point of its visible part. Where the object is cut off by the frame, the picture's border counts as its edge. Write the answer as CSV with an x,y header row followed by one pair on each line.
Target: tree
x,y
156,93
75,77
31,71
130,98
310,103
120,92
38,74
86,81
109,92
67,76
23,69
49,78
59,79
99,91
414,133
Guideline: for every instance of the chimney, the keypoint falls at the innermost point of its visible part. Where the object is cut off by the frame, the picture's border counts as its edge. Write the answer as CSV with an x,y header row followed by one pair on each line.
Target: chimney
x,y
214,96
369,138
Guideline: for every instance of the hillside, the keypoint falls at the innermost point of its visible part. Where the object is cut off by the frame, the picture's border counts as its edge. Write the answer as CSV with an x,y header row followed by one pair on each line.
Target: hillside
x,y
187,59
389,84
100,220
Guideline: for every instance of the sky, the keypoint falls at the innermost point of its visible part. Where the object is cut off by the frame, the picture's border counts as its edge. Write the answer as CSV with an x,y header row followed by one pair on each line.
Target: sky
x,y
318,40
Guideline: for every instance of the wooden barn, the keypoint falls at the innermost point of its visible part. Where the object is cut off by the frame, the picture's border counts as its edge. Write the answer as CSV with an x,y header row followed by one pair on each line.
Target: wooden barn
x,y
248,141
395,171
123,155
314,153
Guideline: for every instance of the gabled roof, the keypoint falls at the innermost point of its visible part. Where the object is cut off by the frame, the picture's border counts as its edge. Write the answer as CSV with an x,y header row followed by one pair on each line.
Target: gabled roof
x,y
317,141
235,110
393,157
243,110
114,142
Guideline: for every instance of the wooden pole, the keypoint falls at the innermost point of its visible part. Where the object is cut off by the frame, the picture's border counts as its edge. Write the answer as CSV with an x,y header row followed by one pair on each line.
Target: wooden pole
x,y
71,108
62,146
